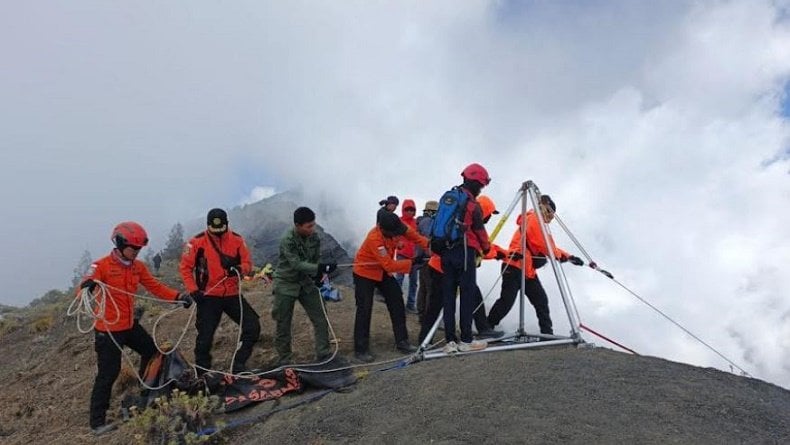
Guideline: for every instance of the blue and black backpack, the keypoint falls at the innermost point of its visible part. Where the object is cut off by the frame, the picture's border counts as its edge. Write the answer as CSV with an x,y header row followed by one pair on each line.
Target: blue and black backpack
x,y
448,223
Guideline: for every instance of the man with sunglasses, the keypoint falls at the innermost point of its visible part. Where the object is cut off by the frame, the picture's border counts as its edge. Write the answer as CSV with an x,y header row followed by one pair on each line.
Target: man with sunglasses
x,y
118,274
532,259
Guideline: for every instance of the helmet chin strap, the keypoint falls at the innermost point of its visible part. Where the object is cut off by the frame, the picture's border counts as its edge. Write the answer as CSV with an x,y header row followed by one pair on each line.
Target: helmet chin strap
x,y
121,254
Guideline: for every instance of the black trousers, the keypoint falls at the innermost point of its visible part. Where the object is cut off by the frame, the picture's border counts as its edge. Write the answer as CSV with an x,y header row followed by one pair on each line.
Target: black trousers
x,y
108,362
209,314
393,297
460,275
511,284
423,288
435,303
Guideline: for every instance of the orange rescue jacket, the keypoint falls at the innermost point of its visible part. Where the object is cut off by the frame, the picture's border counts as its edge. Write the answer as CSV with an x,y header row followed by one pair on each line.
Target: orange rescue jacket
x,y
200,257
122,279
407,247
535,245
375,256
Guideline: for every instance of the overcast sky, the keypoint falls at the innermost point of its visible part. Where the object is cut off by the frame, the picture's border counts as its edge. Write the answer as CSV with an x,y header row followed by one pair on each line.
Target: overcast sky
x,y
661,131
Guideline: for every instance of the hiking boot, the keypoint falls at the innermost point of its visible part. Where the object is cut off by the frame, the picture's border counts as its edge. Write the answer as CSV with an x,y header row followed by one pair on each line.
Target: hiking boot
x,y
406,347
490,334
450,348
474,345
364,357
104,429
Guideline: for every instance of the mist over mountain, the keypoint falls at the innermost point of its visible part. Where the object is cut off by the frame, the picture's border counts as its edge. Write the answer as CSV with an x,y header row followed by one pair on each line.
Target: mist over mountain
x,y
264,223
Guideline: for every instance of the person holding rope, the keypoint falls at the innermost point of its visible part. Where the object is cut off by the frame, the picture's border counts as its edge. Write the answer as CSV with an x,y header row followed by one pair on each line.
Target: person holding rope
x,y
533,259
294,280
113,281
374,265
211,266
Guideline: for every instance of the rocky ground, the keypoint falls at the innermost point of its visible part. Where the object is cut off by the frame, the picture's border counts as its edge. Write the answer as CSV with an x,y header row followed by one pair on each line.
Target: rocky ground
x,y
557,395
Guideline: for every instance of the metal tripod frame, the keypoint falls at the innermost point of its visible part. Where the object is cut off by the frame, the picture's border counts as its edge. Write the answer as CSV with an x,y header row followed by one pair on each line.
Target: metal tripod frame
x,y
521,339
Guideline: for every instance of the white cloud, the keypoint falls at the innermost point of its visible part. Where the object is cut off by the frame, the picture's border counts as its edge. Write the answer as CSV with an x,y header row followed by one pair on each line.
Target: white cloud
x,y
650,126
258,193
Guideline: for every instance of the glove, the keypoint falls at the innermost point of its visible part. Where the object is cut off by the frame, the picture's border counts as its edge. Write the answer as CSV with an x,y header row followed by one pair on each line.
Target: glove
x,y
500,255
576,261
326,268
233,270
516,256
88,284
185,299
229,261
196,296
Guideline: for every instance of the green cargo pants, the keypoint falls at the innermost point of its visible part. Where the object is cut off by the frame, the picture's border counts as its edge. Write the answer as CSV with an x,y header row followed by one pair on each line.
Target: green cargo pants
x,y
283,311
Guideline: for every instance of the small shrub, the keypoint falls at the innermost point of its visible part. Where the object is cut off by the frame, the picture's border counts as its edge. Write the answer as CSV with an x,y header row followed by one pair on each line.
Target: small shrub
x,y
42,323
177,420
8,325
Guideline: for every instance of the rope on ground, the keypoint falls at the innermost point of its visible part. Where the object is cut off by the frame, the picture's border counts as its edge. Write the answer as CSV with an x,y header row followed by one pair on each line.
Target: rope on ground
x,y
597,334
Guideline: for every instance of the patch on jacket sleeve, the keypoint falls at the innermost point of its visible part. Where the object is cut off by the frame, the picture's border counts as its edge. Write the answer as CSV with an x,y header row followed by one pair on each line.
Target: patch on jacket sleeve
x,y
382,250
187,249
91,271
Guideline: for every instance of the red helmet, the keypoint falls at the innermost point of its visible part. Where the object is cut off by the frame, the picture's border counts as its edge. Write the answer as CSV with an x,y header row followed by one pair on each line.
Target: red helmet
x,y
476,172
129,234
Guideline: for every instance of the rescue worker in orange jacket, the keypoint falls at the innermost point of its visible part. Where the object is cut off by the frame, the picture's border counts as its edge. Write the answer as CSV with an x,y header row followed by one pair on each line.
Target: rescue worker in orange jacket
x,y
211,267
530,260
435,300
406,251
117,327
374,265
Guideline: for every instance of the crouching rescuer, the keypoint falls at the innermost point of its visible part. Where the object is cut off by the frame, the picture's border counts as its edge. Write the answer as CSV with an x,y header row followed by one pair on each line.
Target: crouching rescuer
x,y
211,267
113,282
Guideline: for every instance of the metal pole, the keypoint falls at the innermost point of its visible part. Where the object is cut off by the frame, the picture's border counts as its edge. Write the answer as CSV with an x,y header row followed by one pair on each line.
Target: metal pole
x,y
504,217
428,338
563,285
536,344
521,333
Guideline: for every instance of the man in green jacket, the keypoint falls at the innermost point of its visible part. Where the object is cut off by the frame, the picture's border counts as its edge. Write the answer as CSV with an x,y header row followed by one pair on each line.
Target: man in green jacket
x,y
294,279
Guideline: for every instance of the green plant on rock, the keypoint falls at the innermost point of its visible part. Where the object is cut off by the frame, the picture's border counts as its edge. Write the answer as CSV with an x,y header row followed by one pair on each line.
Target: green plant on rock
x,y
178,420
9,325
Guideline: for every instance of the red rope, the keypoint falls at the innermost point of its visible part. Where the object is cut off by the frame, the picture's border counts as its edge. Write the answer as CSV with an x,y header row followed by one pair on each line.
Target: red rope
x,y
581,325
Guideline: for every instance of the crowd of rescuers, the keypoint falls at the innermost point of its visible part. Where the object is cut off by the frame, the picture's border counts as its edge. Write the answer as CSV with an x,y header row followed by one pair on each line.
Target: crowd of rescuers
x,y
214,261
